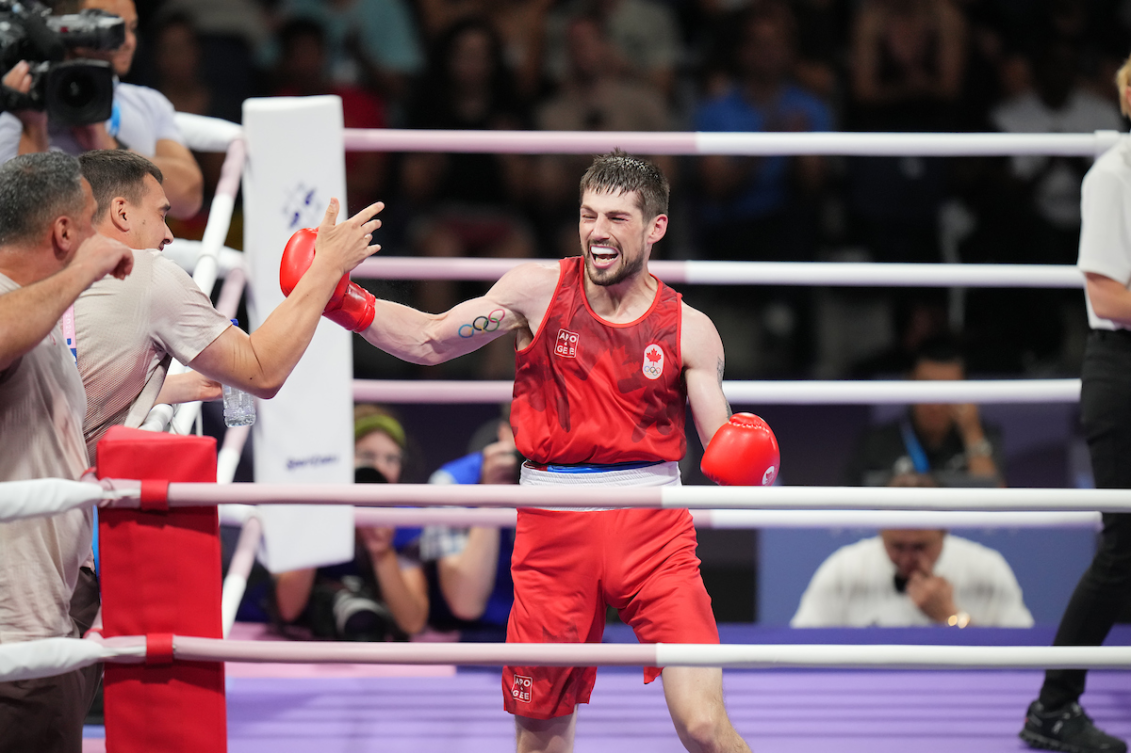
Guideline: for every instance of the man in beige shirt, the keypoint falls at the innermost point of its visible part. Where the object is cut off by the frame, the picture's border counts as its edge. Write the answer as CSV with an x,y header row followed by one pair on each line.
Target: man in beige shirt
x,y
127,331
49,253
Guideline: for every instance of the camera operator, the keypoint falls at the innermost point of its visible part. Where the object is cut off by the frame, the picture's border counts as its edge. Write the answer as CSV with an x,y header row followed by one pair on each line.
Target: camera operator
x,y
141,119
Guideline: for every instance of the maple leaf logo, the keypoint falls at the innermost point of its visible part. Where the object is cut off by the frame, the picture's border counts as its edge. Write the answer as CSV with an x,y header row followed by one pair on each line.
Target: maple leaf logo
x,y
653,355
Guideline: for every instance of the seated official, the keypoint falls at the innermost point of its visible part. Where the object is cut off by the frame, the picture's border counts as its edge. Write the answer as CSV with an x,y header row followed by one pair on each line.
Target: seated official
x,y
946,442
904,578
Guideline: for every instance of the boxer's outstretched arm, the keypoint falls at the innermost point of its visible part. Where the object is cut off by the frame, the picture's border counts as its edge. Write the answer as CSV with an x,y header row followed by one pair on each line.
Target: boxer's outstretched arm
x,y
516,302
260,363
703,362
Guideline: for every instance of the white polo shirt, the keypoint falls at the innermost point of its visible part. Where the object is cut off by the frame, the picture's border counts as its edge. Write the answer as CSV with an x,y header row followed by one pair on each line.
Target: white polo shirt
x,y
855,587
1105,229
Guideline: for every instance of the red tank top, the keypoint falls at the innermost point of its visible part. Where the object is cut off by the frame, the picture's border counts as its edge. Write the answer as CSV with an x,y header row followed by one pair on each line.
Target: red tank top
x,y
591,391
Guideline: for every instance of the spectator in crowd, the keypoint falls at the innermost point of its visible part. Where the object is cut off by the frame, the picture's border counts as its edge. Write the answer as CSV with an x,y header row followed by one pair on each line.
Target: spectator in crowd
x,y
820,44
520,24
644,35
470,586
765,208
1057,103
177,58
302,71
49,253
750,206
907,66
382,593
369,42
1031,215
595,96
913,577
241,21
178,74
462,201
142,121
946,442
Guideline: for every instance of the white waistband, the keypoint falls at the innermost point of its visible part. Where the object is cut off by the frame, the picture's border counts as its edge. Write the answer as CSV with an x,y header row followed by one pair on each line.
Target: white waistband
x,y
661,474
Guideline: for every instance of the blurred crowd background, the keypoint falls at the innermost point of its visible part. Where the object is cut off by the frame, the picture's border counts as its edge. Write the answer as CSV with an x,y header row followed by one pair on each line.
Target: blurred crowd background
x,y
707,65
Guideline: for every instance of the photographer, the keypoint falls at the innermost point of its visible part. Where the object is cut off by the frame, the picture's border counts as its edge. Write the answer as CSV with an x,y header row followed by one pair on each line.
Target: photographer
x,y
379,595
141,118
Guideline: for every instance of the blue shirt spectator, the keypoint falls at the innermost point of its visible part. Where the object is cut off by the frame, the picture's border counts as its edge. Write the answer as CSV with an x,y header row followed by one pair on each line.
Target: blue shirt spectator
x,y
767,189
470,586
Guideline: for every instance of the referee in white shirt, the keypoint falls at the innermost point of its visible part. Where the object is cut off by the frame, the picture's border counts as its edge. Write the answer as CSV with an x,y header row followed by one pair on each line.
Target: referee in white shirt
x,y
1055,721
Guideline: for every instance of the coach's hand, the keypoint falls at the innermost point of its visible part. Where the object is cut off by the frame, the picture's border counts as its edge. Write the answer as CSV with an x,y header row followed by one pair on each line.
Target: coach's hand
x,y
743,452
344,246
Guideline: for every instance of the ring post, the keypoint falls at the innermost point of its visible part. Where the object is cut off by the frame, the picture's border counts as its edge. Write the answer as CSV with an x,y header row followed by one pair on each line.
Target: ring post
x,y
160,574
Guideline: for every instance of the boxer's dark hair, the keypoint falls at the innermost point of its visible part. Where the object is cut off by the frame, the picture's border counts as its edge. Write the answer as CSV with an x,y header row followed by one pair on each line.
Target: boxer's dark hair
x,y
35,190
117,172
618,172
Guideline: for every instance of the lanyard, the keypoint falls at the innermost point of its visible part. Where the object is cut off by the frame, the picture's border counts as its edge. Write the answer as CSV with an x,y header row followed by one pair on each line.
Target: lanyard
x,y
914,449
115,124
68,322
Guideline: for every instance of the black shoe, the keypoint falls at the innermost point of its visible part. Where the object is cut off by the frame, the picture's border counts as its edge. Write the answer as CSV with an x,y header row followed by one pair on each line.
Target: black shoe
x,y
1068,729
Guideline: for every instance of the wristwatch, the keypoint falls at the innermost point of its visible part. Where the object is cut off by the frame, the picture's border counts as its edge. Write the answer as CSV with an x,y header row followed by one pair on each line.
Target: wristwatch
x,y
980,449
958,620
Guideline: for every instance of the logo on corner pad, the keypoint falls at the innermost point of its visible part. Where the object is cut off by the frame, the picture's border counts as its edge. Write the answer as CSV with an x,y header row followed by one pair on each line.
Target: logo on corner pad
x,y
653,367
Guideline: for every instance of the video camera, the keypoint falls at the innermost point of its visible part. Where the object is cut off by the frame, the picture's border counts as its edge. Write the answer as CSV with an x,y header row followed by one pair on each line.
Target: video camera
x,y
72,92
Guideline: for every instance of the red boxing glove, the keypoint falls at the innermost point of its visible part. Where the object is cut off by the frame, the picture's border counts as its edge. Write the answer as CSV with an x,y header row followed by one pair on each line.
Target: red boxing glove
x,y
350,305
743,452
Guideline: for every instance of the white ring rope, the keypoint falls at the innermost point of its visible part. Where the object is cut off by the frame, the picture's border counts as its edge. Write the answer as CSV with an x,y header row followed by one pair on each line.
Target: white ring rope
x,y
51,496
47,657
213,135
748,392
667,655
46,496
691,497
57,655
205,134
750,519
690,143
235,582
831,274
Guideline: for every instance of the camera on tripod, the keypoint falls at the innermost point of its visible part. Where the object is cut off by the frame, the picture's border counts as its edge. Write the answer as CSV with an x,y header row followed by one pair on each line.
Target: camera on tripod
x,y
72,92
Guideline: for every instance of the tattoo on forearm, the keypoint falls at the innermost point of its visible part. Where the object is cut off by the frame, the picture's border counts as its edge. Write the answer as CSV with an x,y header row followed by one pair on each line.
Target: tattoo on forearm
x,y
489,323
720,370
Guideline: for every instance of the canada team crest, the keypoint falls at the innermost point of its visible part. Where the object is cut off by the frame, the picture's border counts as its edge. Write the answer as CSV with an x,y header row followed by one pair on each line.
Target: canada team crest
x,y
653,367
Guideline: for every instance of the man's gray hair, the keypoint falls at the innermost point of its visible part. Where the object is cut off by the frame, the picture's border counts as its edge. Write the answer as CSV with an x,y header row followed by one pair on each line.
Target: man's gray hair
x,y
35,190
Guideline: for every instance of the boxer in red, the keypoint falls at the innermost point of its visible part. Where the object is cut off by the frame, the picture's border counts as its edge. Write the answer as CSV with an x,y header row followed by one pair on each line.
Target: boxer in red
x,y
607,357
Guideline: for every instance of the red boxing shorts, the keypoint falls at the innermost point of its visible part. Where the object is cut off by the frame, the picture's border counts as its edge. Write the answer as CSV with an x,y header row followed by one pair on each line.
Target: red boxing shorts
x,y
567,566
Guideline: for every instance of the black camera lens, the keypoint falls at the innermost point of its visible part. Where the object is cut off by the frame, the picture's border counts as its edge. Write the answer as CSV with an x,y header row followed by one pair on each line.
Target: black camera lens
x,y
79,92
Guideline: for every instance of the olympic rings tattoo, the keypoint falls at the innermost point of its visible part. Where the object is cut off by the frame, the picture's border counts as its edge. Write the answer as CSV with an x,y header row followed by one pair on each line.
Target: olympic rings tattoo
x,y
489,323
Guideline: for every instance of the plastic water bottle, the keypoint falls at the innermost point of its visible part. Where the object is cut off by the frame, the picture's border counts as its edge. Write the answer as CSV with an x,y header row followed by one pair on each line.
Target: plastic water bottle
x,y
239,406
